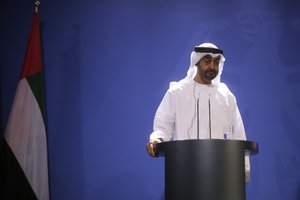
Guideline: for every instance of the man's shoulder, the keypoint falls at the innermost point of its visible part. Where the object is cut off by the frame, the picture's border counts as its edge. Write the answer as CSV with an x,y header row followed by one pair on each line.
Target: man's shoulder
x,y
180,86
224,90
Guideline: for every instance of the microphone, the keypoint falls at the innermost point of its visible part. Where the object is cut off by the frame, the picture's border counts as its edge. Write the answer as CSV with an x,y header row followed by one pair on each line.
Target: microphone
x,y
198,118
209,116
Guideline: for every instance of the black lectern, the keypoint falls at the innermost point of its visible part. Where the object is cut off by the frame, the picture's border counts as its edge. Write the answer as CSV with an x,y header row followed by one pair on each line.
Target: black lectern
x,y
205,169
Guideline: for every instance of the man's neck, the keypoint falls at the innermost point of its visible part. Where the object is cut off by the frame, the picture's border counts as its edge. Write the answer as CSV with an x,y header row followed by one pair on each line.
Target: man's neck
x,y
197,79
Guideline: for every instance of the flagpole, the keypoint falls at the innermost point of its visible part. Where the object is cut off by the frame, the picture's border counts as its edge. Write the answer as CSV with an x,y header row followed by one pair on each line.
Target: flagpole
x,y
36,5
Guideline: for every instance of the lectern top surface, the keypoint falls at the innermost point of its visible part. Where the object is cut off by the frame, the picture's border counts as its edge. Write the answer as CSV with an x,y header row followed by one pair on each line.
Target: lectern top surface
x,y
247,146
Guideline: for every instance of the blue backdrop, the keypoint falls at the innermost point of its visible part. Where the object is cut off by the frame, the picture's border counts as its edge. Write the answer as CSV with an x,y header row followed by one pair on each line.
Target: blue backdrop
x,y
109,63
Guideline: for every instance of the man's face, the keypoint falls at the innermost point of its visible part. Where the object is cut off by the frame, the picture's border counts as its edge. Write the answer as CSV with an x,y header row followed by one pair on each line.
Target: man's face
x,y
208,68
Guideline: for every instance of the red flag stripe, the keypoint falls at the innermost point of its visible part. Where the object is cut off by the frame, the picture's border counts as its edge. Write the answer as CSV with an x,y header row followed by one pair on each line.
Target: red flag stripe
x,y
33,57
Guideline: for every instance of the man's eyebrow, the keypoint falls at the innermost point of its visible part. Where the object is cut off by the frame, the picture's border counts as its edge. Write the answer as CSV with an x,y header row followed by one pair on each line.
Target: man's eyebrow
x,y
207,56
217,58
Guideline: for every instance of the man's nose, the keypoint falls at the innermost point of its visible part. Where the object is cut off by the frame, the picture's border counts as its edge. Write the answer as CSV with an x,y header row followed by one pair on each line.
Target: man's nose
x,y
212,65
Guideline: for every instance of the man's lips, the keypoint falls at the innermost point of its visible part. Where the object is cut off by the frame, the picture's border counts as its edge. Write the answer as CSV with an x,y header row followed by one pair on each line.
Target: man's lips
x,y
211,73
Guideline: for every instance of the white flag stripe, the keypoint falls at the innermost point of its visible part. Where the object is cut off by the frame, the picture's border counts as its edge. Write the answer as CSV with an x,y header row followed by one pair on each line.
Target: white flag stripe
x,y
26,136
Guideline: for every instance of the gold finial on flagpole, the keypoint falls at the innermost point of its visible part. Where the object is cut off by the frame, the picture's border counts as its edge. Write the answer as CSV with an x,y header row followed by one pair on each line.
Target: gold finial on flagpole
x,y
36,5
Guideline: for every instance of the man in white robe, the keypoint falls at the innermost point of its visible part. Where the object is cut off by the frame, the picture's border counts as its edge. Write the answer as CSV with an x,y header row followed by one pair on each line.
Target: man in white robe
x,y
199,106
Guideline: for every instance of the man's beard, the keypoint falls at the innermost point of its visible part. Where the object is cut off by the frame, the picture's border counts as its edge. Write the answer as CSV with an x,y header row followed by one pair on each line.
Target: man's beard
x,y
211,74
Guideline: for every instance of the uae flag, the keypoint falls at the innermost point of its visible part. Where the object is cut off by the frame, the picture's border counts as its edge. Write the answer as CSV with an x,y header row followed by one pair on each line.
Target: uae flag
x,y
23,150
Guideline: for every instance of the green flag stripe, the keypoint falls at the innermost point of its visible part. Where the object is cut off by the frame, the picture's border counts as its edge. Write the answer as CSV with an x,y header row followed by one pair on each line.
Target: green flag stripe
x,y
36,83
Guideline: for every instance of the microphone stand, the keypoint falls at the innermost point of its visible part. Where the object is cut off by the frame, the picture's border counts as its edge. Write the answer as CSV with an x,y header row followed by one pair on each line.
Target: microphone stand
x,y
209,115
198,118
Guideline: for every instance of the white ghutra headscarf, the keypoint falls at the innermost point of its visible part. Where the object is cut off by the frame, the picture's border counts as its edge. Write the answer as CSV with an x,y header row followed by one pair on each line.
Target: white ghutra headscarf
x,y
199,52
